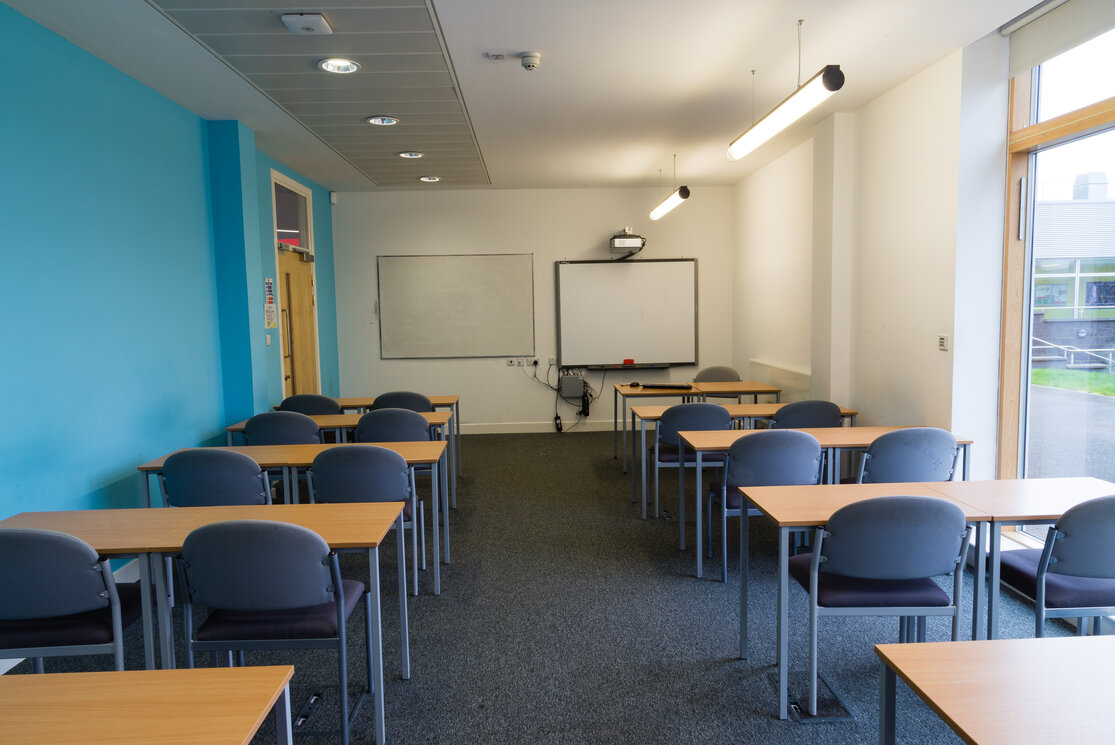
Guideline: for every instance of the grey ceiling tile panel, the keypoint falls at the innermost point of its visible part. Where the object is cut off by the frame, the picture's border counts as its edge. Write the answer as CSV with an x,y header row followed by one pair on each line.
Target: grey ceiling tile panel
x,y
262,65
332,45
363,80
330,113
291,96
269,21
286,6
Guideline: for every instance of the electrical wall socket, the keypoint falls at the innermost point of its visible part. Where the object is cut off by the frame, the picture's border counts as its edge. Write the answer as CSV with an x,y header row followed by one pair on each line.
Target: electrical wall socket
x,y
943,342
510,361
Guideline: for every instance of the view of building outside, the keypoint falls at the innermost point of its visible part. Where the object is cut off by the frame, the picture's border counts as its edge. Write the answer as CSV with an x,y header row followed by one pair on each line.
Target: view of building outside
x,y
1070,422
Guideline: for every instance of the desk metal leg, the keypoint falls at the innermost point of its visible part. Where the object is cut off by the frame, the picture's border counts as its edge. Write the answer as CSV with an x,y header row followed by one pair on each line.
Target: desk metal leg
x,y
633,460
148,617
615,424
888,687
284,733
147,487
643,470
995,538
376,643
453,456
744,568
967,455
783,621
404,625
623,410
162,600
700,523
445,504
437,530
980,564
457,428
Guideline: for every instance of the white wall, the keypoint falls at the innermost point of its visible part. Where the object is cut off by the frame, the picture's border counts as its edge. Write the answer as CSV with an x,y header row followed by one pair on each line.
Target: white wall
x,y
773,269
553,224
907,145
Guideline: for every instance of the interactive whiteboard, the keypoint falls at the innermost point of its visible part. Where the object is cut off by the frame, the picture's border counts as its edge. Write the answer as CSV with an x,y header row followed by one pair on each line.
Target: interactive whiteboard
x,y
610,312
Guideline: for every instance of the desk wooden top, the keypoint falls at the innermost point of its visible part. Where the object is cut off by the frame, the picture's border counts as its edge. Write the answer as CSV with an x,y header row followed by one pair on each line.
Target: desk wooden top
x,y
682,389
805,506
1043,500
828,437
741,387
349,421
1014,691
139,707
653,412
363,402
123,531
279,456
144,530
341,525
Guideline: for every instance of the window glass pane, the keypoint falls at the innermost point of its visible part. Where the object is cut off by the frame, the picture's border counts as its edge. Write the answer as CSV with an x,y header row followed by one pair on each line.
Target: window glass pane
x,y
1095,266
1053,292
1054,266
1077,78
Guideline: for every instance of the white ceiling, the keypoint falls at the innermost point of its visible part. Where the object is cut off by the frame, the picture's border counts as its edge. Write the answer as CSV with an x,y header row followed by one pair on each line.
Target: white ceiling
x,y
624,85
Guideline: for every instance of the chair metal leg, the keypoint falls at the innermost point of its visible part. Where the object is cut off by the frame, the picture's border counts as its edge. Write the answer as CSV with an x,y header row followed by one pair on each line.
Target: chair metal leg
x,y
724,535
813,614
37,665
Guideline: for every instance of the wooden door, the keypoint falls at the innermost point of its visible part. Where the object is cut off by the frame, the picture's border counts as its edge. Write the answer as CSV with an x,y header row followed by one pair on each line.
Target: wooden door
x,y
297,324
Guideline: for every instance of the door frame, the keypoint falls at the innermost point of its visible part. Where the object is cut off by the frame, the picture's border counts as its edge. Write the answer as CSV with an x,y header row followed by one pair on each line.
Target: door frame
x,y
305,192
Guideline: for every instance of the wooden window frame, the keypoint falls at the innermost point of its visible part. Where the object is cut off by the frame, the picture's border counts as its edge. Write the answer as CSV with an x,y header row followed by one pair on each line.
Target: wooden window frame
x,y
1026,138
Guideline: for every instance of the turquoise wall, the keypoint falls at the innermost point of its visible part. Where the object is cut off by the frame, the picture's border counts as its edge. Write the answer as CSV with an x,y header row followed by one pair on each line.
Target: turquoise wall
x,y
112,325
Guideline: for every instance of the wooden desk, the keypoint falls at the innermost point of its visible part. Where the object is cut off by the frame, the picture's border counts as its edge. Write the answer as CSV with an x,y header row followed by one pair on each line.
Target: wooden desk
x,y
342,423
1006,692
210,706
801,508
292,457
622,391
745,413
363,403
832,440
1019,501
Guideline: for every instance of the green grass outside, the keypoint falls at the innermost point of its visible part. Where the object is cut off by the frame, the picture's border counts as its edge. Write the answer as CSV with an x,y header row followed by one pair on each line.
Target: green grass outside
x,y
1075,380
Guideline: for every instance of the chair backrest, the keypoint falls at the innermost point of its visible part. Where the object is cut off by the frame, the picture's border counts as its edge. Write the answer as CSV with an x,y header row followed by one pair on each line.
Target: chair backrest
x,y
909,455
360,473
310,404
281,428
402,400
717,374
201,477
807,414
44,573
392,425
1084,537
256,565
774,458
694,416
894,538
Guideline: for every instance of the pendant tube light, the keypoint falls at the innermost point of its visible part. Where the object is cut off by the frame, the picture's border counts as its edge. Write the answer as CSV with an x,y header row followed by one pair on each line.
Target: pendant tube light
x,y
800,102
667,204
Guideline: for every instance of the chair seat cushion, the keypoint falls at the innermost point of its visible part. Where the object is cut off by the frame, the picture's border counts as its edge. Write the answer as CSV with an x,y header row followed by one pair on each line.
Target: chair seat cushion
x,y
313,622
839,591
1019,569
669,454
91,627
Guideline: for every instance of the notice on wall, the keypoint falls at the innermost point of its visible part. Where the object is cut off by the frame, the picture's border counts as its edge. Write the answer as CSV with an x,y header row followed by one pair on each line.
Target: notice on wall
x,y
270,315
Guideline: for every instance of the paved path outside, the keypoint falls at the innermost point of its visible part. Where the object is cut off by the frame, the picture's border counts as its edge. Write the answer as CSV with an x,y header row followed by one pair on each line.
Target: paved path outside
x,y
1070,434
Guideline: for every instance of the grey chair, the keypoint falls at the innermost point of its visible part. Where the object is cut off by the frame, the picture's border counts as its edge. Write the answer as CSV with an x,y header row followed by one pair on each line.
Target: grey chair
x,y
910,455
718,374
807,415
402,400
201,477
763,458
368,473
59,598
281,428
1074,575
311,404
667,446
878,557
269,585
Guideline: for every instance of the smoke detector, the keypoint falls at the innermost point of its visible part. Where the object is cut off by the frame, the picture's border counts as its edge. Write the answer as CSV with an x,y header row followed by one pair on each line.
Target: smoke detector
x,y
531,61
306,23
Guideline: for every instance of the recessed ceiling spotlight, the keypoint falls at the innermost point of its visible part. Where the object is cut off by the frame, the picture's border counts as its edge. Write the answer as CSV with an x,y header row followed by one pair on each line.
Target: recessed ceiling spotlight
x,y
382,121
410,154
429,179
338,64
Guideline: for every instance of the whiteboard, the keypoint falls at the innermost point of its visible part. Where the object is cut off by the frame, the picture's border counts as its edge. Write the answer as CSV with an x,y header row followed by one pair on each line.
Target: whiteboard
x,y
612,311
475,305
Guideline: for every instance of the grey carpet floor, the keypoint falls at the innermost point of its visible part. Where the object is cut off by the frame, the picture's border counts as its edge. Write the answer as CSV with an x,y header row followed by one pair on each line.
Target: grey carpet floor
x,y
565,618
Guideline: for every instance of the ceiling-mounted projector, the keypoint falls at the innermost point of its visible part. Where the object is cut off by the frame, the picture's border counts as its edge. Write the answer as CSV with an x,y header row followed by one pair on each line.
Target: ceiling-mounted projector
x,y
627,242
